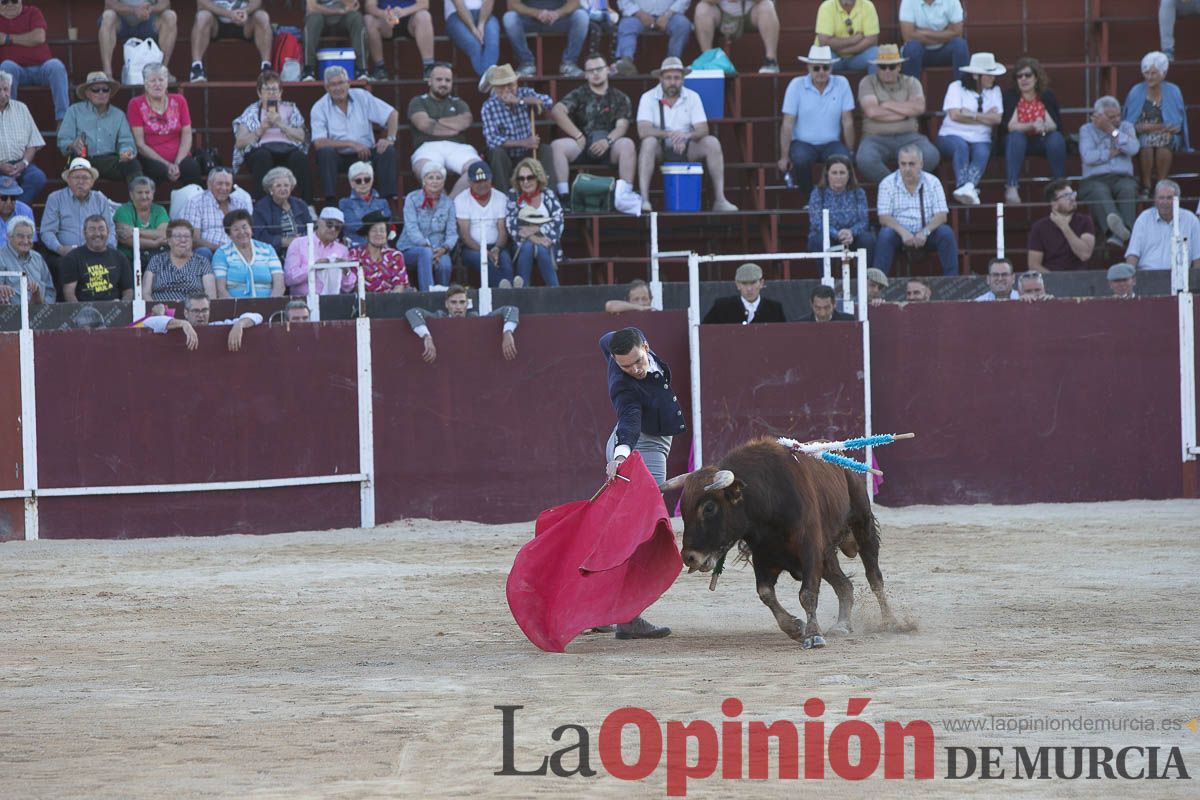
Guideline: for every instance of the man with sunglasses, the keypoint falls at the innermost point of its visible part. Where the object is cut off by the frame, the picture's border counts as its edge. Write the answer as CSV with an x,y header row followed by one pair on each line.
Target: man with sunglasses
x,y
818,112
851,29
206,211
327,246
25,55
96,130
891,104
11,206
1066,238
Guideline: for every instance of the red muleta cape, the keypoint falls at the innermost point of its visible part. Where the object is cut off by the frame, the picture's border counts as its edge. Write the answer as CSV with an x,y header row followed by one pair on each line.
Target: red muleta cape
x,y
596,562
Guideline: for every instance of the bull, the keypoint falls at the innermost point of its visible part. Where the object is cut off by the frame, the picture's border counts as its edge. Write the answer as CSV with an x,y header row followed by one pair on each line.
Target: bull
x,y
793,513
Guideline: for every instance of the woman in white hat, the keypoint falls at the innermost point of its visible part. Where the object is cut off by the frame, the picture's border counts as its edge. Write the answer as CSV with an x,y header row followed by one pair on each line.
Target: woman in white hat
x,y
973,107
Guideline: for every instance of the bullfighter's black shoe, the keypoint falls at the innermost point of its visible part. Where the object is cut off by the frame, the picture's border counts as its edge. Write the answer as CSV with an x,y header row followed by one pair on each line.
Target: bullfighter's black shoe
x,y
638,628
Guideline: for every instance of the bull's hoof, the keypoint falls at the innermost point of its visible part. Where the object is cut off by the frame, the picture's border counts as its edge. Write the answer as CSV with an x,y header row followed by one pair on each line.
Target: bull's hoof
x,y
842,629
813,641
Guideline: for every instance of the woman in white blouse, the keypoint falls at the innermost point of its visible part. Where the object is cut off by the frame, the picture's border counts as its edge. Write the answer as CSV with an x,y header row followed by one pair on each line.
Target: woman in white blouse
x,y
973,107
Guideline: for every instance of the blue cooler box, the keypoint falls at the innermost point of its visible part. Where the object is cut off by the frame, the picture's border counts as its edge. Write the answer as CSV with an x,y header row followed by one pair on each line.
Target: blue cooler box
x,y
682,184
710,85
344,57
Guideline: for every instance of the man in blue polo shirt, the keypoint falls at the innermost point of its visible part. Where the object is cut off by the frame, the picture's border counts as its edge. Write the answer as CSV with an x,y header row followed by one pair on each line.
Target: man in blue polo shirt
x,y
817,113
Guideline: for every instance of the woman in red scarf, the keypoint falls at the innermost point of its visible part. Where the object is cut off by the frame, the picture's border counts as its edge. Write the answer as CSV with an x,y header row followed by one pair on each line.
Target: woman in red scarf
x,y
540,244
430,229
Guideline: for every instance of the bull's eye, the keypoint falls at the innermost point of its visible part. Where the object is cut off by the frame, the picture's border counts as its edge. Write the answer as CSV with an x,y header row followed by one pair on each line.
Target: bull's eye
x,y
708,509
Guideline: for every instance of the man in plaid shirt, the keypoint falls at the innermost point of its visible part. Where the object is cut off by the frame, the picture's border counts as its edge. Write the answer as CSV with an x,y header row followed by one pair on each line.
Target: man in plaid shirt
x,y
508,124
912,213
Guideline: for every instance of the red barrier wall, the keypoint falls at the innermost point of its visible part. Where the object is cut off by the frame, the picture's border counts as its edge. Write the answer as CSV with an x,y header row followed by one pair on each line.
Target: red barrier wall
x,y
1059,401
12,512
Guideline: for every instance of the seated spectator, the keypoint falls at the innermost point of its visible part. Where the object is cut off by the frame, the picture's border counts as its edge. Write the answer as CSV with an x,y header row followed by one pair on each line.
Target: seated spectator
x,y
327,247
245,267
196,310
918,290
546,16
673,127
279,218
1000,281
19,142
162,130
18,255
100,132
596,119
363,200
1032,125
271,133
136,19
148,217
383,266
68,207
1156,110
849,226
1151,245
343,123
818,112
430,230
973,108
824,306
25,55
639,16
295,311
457,308
206,211
180,272
94,271
475,30
877,284
1066,238
732,18
891,105
385,19
231,19
932,31
850,28
1167,11
1108,189
508,123
11,206
1122,280
439,120
637,298
748,305
535,225
913,213
481,214
1032,287
341,17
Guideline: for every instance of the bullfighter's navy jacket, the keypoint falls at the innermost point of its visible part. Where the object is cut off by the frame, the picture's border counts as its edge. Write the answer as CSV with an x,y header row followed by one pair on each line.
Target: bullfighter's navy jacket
x,y
648,406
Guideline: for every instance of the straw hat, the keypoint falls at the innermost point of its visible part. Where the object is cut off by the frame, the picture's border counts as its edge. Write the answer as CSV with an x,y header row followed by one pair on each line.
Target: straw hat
x,y
532,216
819,54
80,164
888,54
669,64
984,64
501,75
92,79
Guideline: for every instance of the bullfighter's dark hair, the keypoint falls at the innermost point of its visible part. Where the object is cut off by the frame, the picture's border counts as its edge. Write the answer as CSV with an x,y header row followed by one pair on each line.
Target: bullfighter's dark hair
x,y
624,340
822,291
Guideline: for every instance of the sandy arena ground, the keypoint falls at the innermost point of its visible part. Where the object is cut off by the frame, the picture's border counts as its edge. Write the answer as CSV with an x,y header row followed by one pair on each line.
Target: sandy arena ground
x,y
352,664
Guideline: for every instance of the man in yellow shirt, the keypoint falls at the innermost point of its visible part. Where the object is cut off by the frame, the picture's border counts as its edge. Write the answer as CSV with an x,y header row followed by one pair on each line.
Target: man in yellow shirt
x,y
851,28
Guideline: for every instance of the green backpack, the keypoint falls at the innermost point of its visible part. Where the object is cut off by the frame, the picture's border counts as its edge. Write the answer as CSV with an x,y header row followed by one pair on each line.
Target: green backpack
x,y
591,194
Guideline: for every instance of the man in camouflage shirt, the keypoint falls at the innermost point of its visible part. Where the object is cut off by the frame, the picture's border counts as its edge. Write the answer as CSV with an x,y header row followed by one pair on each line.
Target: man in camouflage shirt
x,y
596,118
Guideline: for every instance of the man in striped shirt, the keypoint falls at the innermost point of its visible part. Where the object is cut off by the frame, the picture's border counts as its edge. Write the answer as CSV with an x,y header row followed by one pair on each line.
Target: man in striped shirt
x,y
912,213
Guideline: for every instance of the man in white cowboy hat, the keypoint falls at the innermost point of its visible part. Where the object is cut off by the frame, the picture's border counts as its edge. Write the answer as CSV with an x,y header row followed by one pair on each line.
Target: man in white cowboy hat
x,y
732,18
99,131
507,118
67,209
673,127
439,120
851,29
638,16
932,31
818,113
891,105
973,107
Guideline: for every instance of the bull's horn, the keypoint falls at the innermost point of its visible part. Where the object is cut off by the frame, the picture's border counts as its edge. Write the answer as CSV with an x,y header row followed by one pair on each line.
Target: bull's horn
x,y
673,483
721,480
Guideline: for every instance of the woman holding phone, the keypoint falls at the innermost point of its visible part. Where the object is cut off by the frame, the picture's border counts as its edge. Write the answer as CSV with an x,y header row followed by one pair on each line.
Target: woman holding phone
x,y
271,133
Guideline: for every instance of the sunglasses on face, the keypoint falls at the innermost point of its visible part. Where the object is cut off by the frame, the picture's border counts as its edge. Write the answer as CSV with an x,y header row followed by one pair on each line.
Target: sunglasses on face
x,y
887,66
819,67
1024,74
361,179
96,89
523,178
9,2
